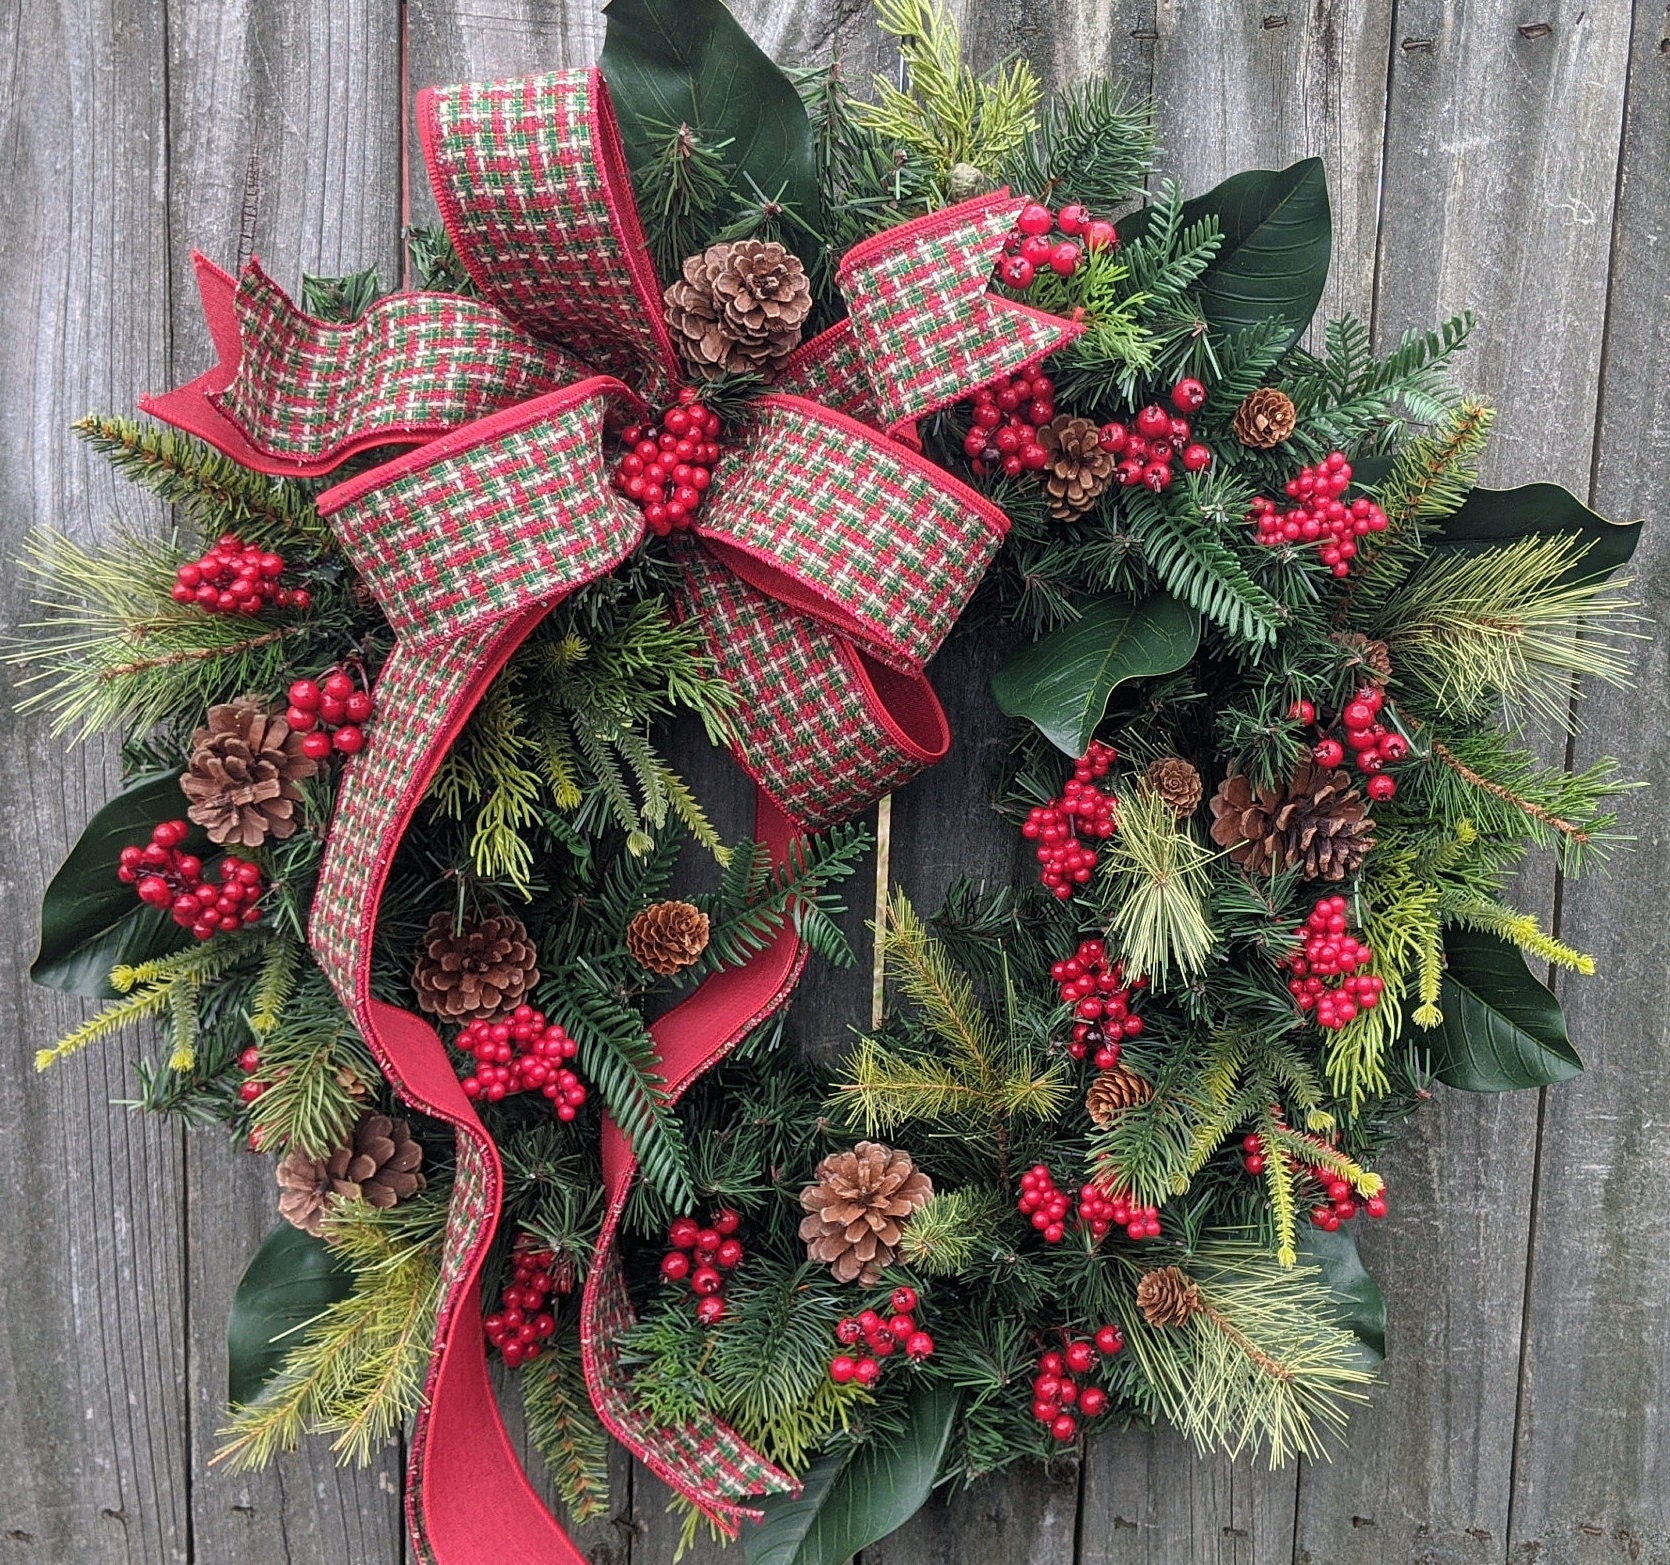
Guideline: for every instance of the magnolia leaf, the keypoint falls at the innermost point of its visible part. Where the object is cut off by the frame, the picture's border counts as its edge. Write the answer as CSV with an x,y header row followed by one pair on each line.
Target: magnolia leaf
x,y
1277,238
1489,518
1501,1028
292,1277
90,921
843,1509
1362,1307
1063,682
688,62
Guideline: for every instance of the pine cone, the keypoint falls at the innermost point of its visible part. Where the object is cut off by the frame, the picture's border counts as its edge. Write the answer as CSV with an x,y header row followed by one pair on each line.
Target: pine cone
x,y
1167,1297
303,1184
241,779
1113,1091
739,307
382,1163
473,973
1078,469
1314,819
856,1210
1374,658
1177,782
1265,419
667,937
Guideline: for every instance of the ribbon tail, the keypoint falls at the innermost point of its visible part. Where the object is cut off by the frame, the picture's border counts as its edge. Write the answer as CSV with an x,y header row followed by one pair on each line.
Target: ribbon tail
x,y
709,1465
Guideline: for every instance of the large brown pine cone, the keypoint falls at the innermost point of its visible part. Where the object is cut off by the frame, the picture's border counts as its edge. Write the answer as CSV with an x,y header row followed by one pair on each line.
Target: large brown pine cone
x,y
1315,819
667,937
1078,469
241,779
1265,419
1177,782
739,307
1167,1297
474,972
1113,1091
380,1163
857,1209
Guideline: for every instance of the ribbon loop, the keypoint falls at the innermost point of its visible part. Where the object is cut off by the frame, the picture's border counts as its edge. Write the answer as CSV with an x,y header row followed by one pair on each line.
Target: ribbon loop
x,y
851,530
533,188
510,511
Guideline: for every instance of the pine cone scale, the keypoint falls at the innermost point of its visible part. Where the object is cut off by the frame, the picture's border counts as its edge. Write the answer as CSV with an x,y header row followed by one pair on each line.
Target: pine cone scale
x,y
856,1210
1314,819
1078,470
474,971
668,937
739,308
241,779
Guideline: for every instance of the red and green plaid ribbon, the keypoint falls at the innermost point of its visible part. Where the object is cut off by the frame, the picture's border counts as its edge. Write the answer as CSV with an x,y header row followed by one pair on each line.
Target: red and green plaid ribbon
x,y
830,562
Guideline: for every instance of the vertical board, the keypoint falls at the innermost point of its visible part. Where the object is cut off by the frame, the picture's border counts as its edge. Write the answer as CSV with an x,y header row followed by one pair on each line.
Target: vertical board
x,y
94,1442
1501,158
284,141
1591,1451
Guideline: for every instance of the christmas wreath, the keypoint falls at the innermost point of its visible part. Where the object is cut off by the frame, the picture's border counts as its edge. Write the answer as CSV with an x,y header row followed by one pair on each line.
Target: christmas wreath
x,y
726,396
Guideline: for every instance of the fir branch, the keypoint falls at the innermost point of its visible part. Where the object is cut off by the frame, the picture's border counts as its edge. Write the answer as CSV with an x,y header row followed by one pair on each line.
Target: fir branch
x,y
1519,929
318,1074
1153,889
435,262
692,184
1094,144
945,1234
280,970
565,1429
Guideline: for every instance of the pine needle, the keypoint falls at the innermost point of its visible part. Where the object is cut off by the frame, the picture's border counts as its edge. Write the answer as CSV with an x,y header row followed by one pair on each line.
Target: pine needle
x,y
1156,888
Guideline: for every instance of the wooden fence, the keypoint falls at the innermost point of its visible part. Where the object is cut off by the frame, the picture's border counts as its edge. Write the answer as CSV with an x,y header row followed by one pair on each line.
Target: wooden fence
x,y
1514,158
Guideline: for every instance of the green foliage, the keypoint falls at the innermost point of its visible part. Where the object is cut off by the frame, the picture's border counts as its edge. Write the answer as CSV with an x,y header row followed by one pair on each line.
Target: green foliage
x,y
435,263
290,1280
358,1371
341,298
317,1071
947,115
564,1429
1094,144
1154,889
690,184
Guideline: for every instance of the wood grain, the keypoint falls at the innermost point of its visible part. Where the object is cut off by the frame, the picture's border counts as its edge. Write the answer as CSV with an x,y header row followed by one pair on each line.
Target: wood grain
x,y
1474,160
94,1441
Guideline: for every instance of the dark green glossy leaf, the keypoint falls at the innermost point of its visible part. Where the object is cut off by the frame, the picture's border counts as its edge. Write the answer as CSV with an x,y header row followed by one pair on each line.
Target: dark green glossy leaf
x,y
291,1279
90,921
843,1509
1062,683
688,62
1362,1307
1501,1029
1489,518
1277,238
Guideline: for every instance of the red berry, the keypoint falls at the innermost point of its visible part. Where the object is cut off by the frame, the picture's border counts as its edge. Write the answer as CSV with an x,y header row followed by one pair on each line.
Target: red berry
x,y
1073,218
1094,1402
1188,396
1035,218
841,1370
1079,1357
1064,259
726,1221
1100,235
710,1311
305,694
1196,458
1380,787
904,1300
1109,1340
682,1233
675,1266
1328,753
1015,271
919,1345
866,1372
706,1281
349,739
1153,422
316,745
1065,1427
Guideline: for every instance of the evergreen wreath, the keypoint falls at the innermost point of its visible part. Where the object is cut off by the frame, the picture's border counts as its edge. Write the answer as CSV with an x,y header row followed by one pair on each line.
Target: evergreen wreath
x,y
1275,652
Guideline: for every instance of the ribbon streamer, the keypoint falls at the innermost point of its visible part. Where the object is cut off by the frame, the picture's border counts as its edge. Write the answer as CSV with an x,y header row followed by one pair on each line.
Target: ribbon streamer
x,y
829,563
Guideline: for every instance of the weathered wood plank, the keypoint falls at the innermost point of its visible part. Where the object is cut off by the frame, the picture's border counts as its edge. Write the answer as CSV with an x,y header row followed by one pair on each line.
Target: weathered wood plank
x,y
1590,1449
1501,160
94,1442
306,175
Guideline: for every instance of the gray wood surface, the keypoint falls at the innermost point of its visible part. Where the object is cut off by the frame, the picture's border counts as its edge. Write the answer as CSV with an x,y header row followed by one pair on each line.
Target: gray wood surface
x,y
1516,161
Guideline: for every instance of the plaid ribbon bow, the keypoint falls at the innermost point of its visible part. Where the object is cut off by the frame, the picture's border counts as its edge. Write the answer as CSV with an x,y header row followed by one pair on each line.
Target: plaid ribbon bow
x,y
829,563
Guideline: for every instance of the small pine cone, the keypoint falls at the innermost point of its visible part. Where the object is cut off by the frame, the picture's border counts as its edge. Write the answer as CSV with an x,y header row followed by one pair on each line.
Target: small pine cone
x,y
242,775
1177,782
739,308
1265,419
1373,657
667,937
1167,1297
1315,819
1078,469
856,1211
1113,1091
472,973
382,1164
303,1184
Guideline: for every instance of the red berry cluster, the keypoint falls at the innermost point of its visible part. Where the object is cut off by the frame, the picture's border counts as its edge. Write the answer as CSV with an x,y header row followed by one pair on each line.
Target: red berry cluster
x,y
1100,1210
701,1257
1034,243
1339,1204
1008,414
250,1088
1373,746
164,877
521,1323
1319,516
1082,807
1101,1002
883,1337
667,469
1146,446
522,1053
1041,1200
235,577
1331,951
1059,1396
337,702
